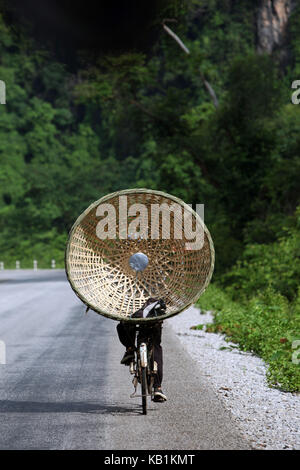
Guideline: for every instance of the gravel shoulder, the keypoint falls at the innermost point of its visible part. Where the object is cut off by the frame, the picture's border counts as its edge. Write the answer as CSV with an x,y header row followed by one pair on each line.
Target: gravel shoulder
x,y
268,418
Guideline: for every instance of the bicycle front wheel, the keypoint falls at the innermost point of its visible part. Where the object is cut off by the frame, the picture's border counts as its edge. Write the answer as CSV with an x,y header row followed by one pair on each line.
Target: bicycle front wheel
x,y
144,389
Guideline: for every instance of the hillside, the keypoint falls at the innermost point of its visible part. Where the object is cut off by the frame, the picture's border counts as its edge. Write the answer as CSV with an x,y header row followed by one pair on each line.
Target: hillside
x,y
145,118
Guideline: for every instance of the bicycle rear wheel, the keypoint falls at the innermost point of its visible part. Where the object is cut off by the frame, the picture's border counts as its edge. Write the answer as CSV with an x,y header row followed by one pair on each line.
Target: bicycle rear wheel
x,y
144,389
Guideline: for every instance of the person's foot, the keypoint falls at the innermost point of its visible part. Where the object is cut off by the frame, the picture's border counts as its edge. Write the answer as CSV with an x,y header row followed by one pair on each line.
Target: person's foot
x,y
159,396
128,357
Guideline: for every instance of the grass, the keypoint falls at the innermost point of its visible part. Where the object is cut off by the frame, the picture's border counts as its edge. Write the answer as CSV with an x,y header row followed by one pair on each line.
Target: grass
x,y
267,325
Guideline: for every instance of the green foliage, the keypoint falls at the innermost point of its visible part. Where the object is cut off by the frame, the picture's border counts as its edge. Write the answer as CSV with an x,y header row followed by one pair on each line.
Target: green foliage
x,y
51,163
294,33
276,266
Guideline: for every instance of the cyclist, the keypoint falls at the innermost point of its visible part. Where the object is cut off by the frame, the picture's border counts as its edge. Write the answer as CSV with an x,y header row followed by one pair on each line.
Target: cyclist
x,y
127,336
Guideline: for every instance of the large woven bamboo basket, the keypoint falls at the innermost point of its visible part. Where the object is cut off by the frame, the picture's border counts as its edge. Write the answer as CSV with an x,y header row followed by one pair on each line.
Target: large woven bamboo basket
x,y
101,276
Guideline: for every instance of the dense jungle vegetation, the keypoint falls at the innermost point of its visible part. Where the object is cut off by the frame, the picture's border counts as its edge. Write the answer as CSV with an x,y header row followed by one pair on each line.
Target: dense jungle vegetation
x,y
69,135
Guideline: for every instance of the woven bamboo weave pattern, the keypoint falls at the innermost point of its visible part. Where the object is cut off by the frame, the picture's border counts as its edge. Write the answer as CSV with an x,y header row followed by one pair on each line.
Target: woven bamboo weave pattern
x,y
99,270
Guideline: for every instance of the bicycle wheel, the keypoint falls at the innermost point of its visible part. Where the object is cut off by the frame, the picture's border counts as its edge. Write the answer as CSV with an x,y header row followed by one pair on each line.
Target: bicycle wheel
x,y
144,389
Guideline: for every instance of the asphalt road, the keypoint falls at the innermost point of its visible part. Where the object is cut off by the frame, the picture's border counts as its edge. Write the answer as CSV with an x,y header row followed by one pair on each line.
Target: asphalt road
x,y
63,387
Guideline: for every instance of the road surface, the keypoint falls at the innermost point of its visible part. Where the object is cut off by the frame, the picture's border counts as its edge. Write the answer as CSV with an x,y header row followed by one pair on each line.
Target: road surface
x,y
63,387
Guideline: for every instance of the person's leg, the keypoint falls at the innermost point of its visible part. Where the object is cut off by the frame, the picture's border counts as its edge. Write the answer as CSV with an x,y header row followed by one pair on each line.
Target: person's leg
x,y
153,332
127,333
158,357
158,354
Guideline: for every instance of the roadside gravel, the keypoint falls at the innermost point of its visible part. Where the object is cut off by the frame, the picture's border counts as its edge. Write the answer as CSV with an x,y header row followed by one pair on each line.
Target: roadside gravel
x,y
267,417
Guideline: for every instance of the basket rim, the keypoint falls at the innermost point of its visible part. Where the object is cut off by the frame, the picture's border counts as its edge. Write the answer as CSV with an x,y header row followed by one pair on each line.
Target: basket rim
x,y
131,191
